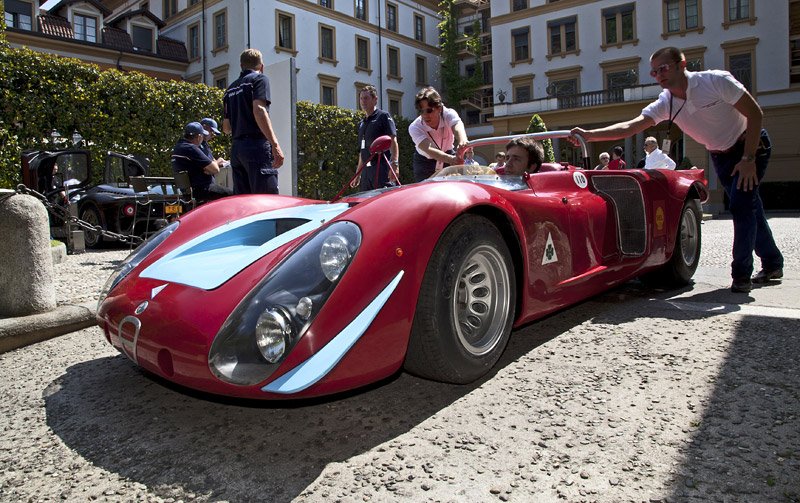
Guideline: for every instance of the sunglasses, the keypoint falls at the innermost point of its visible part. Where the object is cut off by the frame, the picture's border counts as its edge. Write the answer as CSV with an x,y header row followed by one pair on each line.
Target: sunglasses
x,y
661,69
428,110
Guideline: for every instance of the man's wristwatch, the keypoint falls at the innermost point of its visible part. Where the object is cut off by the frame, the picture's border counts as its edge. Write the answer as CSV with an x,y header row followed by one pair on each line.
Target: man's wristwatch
x,y
395,163
748,158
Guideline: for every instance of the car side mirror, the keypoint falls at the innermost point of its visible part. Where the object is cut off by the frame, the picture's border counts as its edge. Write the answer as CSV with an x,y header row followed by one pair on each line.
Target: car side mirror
x,y
381,144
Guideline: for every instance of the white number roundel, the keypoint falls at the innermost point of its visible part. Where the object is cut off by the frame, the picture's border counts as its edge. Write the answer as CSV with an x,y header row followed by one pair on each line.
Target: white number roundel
x,y
580,179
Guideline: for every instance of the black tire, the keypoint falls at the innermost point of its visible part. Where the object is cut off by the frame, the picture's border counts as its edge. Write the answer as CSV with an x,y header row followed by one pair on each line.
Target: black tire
x,y
466,304
91,215
686,254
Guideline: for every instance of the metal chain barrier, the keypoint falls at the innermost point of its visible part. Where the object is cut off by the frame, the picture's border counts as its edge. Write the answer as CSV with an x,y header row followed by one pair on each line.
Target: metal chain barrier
x,y
63,214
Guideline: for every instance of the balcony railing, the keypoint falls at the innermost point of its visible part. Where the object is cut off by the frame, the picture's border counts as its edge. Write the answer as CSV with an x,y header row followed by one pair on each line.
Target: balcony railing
x,y
480,99
579,100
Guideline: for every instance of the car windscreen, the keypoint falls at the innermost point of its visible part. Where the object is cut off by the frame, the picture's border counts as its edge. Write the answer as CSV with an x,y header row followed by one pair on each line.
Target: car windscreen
x,y
507,182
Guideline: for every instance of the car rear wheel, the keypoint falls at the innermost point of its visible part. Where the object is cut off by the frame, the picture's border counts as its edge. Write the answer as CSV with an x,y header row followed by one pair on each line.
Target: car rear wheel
x,y
91,215
466,304
686,254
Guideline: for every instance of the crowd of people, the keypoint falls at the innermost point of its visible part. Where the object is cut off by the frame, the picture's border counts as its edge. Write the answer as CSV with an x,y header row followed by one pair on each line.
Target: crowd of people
x,y
722,115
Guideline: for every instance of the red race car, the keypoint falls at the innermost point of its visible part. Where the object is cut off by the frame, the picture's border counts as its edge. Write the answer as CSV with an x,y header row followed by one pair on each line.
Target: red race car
x,y
278,297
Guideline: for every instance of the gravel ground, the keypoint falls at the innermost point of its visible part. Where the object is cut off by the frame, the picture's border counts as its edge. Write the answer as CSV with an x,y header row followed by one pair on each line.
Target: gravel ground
x,y
635,395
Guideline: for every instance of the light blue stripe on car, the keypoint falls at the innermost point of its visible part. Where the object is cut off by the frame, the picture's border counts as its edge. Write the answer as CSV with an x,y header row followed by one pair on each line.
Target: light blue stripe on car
x,y
213,258
318,366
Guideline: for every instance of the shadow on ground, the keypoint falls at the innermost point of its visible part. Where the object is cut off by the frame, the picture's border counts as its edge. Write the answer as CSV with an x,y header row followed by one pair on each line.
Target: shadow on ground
x,y
746,447
177,442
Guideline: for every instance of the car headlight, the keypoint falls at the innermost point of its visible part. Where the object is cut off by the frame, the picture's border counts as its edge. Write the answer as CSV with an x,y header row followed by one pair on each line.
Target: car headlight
x,y
269,321
135,258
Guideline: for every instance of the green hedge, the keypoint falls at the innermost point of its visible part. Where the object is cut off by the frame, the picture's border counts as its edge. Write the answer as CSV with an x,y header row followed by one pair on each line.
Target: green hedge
x,y
132,113
113,110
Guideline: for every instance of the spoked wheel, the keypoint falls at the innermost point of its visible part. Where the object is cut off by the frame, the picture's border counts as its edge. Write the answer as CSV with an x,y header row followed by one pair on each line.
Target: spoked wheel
x,y
686,254
466,304
91,215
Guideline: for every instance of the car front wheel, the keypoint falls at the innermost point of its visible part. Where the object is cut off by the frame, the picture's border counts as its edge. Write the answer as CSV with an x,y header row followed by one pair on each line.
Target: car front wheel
x,y
91,215
466,304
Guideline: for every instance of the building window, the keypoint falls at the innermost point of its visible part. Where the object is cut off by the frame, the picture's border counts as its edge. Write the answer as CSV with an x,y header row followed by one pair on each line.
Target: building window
x,y
618,24
285,32
395,102
422,71
328,95
522,43
362,54
220,30
193,42
391,17
738,10
327,43
193,2
740,56
521,89
741,67
794,42
328,4
327,89
682,15
522,94
18,14
219,76
170,8
564,84
694,59
394,107
361,9
563,36
393,65
621,79
518,5
142,38
419,28
487,72
85,27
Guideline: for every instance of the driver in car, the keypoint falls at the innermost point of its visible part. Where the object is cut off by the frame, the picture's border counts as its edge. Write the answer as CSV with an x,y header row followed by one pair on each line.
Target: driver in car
x,y
522,154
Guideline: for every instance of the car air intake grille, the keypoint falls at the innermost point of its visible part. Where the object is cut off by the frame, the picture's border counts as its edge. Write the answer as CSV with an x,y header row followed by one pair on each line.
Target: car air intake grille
x,y
626,195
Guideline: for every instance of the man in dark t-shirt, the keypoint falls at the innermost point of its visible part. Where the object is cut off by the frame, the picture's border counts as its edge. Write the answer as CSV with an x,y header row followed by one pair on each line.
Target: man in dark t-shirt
x,y
188,156
377,123
255,153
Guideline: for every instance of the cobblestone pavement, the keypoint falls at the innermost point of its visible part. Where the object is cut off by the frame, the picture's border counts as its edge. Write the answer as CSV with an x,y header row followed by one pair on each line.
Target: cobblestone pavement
x,y
635,395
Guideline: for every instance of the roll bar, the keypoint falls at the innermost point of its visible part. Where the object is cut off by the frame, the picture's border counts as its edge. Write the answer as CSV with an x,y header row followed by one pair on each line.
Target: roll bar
x,y
547,135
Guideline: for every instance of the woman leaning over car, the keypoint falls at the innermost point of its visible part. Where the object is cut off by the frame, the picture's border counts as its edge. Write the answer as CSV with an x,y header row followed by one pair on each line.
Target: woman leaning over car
x,y
437,133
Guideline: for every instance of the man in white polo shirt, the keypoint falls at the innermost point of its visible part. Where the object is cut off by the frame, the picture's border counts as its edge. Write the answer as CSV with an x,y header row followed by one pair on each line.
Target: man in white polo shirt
x,y
716,110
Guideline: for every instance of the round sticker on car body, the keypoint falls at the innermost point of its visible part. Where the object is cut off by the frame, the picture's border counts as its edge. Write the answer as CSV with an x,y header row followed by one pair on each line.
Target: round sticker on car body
x,y
580,179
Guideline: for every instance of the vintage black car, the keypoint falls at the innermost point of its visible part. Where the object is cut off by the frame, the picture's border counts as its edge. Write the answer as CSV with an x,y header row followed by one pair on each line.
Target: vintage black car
x,y
127,202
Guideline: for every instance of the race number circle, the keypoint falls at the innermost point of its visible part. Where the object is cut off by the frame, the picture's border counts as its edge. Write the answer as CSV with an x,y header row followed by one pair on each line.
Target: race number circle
x,y
580,179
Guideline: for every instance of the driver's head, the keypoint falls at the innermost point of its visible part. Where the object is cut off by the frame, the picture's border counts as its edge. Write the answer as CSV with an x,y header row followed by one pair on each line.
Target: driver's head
x,y
523,154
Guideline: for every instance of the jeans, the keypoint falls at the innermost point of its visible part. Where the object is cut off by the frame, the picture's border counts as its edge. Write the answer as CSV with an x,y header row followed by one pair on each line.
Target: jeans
x,y
251,167
751,231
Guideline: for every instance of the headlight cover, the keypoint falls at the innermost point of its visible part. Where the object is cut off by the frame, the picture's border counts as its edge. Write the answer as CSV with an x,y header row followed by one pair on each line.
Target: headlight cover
x,y
136,258
269,321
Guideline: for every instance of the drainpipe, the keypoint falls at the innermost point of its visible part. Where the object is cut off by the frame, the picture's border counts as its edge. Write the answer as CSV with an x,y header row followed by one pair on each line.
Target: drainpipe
x,y
380,60
247,6
203,24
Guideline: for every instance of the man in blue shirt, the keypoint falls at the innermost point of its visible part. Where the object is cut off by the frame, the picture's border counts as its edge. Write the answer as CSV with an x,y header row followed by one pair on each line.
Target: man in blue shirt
x,y
376,123
188,156
255,153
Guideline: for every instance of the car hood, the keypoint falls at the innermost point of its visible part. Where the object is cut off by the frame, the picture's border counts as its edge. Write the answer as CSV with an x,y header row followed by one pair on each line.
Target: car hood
x,y
212,258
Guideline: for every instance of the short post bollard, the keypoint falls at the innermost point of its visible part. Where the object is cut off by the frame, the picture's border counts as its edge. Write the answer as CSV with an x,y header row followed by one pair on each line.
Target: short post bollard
x,y
26,263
